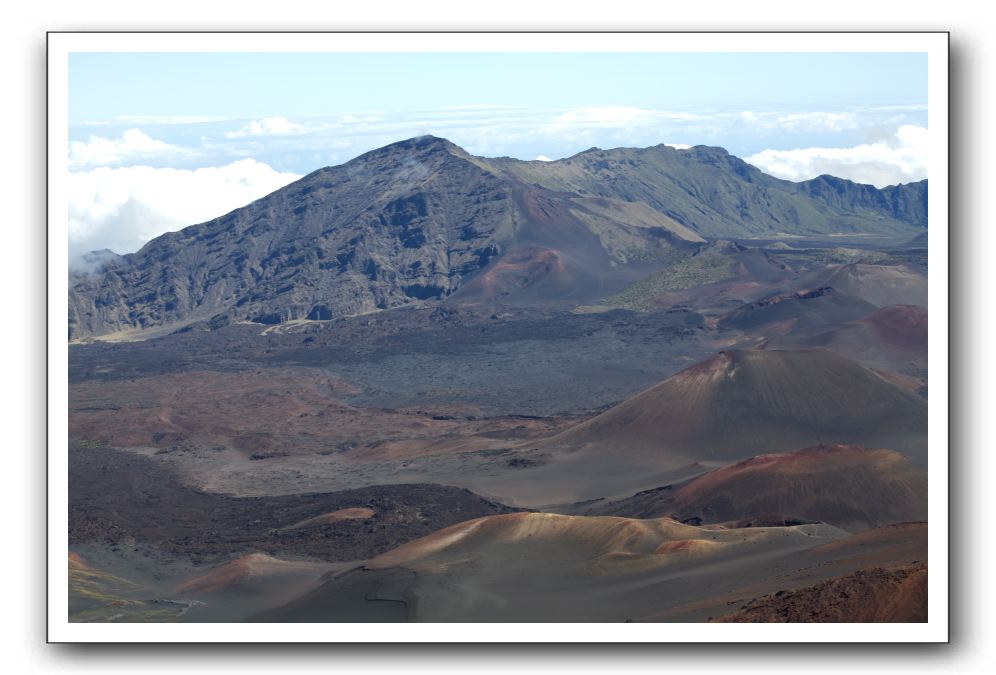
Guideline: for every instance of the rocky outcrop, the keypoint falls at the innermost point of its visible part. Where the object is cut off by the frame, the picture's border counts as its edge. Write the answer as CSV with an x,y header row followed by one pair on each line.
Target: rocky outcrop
x,y
906,202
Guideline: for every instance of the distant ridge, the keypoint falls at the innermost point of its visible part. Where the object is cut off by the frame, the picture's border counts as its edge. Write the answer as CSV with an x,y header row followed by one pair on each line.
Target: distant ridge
x,y
721,196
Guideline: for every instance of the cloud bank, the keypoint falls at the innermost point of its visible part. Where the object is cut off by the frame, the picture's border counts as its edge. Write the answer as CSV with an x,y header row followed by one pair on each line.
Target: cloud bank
x,y
303,144
133,145
268,126
900,158
122,194
122,208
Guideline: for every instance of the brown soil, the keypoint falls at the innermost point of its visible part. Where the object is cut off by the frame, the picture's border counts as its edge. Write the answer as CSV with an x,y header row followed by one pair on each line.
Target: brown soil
x,y
880,595
900,325
851,487
515,271
273,413
742,402
236,572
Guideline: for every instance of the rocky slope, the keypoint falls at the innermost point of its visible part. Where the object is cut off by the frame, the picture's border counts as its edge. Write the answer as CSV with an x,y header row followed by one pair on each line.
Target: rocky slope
x,y
880,595
907,202
719,195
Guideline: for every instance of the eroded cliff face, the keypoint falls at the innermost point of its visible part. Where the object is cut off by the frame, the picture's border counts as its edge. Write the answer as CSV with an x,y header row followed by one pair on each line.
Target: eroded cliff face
x,y
398,224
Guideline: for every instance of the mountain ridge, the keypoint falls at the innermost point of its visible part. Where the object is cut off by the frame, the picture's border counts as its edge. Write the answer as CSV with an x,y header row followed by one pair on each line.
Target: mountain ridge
x,y
417,220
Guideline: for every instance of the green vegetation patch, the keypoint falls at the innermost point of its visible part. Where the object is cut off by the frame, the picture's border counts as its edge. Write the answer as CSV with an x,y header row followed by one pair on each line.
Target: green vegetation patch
x,y
682,272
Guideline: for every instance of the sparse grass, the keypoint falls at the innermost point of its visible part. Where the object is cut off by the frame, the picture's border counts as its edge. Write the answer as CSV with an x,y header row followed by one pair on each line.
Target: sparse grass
x,y
846,256
681,273
97,596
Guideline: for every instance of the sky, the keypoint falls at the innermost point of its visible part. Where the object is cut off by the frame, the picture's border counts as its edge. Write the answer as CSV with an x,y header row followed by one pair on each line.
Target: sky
x,y
158,141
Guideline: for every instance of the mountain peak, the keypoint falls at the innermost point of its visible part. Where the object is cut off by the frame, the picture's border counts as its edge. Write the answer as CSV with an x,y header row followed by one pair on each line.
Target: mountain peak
x,y
423,143
710,150
417,147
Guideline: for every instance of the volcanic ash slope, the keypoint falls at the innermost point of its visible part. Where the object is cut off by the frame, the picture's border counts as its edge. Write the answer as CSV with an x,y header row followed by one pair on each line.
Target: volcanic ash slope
x,y
551,567
850,487
742,403
546,567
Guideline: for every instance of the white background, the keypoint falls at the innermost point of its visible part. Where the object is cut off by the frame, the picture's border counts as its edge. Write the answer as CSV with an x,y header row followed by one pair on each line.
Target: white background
x,y
23,172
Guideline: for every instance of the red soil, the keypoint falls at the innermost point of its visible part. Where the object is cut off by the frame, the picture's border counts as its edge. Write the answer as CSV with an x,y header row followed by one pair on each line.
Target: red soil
x,y
901,325
241,569
514,271
77,563
742,402
852,487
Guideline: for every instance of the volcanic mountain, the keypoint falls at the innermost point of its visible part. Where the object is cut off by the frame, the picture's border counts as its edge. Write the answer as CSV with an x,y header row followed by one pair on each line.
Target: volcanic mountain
x,y
421,220
795,311
835,307
851,487
879,285
743,402
892,338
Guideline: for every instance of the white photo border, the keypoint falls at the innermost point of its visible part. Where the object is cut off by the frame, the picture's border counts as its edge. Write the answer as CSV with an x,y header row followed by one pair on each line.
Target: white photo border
x,y
62,44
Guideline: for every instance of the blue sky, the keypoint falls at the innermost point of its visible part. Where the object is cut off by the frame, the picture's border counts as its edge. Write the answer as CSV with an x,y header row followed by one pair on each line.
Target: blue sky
x,y
223,128
393,96
252,85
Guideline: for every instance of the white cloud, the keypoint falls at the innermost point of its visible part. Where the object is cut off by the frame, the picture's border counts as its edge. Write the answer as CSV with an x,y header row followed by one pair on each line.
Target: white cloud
x,y
905,107
122,208
817,121
134,145
603,116
268,126
542,158
900,158
350,118
569,131
616,116
802,122
678,146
